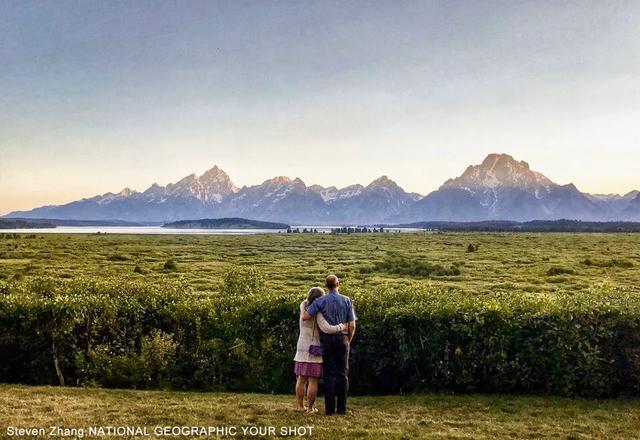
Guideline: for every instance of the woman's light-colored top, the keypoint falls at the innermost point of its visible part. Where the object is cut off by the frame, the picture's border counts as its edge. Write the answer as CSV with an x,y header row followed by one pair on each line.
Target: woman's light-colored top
x,y
310,335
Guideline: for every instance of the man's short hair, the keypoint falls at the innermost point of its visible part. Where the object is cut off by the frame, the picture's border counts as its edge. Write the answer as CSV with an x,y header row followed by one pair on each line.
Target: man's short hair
x,y
332,282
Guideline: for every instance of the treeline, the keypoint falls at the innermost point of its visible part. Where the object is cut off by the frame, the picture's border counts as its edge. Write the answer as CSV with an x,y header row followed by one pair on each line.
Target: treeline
x,y
532,226
11,223
225,223
413,338
358,230
21,223
341,230
302,231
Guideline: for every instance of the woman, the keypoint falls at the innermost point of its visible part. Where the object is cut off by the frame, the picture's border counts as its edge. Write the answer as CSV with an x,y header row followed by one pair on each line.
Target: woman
x,y
308,367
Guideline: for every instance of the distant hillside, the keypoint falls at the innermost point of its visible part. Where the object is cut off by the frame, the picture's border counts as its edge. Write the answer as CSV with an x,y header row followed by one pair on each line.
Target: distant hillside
x,y
225,223
532,226
18,223
53,222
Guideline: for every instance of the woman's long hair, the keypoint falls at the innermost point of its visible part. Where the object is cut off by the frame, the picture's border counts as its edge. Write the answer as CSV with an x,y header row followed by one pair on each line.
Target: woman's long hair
x,y
313,294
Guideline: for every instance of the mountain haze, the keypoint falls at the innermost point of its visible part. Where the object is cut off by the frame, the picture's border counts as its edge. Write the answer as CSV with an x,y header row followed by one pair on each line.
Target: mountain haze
x,y
632,210
500,188
618,203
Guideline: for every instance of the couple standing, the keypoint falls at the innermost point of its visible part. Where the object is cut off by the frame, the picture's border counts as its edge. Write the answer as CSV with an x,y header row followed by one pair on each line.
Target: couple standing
x,y
327,325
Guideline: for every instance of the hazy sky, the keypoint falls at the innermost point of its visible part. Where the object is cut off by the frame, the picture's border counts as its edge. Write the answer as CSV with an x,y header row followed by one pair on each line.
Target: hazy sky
x,y
98,96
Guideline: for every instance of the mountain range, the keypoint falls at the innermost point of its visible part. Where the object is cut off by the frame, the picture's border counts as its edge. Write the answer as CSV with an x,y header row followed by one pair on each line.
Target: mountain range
x,y
500,188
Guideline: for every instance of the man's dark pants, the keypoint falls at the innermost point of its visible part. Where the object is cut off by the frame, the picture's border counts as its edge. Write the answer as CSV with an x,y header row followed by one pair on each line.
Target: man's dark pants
x,y
335,359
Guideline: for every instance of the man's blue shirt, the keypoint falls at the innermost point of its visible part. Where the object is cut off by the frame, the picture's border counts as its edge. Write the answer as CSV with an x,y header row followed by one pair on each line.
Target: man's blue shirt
x,y
335,308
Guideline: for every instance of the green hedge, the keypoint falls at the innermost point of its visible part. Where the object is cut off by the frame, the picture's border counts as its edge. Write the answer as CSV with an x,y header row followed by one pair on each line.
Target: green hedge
x,y
128,334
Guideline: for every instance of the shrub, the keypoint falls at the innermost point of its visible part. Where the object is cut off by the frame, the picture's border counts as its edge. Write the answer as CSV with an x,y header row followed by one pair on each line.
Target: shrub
x,y
614,262
138,269
621,263
559,270
118,257
243,281
402,266
412,338
170,264
112,369
157,352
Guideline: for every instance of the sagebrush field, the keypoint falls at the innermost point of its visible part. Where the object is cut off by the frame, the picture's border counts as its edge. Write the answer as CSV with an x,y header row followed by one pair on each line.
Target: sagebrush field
x,y
517,313
511,262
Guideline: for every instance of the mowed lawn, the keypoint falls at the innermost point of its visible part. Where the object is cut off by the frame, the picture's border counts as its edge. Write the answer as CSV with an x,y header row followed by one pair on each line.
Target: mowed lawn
x,y
394,417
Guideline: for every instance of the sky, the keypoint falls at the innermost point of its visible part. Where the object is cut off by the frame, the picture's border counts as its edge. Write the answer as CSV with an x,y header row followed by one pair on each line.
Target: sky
x,y
98,96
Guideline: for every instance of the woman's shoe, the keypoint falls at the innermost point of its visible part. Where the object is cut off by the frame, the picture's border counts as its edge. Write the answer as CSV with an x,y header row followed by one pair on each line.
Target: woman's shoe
x,y
312,410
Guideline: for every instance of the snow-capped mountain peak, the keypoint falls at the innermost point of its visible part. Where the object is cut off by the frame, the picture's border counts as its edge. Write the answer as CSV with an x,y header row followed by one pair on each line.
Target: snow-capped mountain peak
x,y
327,194
332,193
217,179
383,182
212,187
278,180
498,188
127,192
502,188
499,170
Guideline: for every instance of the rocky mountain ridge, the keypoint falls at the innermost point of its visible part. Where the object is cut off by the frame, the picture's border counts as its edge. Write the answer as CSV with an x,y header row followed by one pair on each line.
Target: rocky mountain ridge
x,y
500,188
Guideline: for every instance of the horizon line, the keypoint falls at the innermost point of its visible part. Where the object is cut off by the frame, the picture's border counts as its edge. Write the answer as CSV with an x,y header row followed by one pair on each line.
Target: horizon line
x,y
238,188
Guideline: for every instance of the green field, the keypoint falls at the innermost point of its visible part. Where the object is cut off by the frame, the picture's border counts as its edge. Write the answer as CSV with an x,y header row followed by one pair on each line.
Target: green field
x,y
419,416
509,262
526,314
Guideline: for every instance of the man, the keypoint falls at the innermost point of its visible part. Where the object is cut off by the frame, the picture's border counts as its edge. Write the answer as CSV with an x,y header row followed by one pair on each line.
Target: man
x,y
336,309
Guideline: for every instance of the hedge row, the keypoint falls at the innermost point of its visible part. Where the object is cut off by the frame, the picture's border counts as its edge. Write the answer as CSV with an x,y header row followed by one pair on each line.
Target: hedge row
x,y
127,334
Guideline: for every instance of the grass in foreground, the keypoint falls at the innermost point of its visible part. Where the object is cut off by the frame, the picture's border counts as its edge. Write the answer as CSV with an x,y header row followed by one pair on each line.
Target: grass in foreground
x,y
393,417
